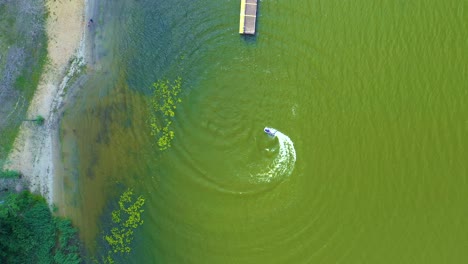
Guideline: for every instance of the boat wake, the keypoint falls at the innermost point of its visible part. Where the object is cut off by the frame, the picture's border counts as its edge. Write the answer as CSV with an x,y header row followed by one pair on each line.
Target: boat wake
x,y
283,164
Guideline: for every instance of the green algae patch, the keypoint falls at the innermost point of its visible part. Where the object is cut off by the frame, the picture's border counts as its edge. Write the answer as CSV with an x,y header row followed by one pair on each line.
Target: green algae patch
x,y
164,100
125,220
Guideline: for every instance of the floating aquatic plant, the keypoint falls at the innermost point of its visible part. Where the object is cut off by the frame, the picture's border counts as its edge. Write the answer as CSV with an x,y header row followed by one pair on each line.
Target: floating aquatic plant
x,y
124,220
164,99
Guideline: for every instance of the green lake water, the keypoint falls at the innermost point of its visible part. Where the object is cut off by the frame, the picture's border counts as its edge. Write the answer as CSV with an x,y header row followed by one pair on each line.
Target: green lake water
x,y
373,96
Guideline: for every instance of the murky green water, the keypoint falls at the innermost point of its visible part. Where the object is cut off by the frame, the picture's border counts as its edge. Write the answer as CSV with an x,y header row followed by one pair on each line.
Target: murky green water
x,y
373,95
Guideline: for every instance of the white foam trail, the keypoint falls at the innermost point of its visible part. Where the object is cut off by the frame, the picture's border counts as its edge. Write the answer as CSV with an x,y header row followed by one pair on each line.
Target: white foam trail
x,y
283,164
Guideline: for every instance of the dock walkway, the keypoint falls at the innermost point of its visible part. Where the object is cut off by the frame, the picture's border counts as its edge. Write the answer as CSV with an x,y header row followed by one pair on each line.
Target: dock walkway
x,y
248,17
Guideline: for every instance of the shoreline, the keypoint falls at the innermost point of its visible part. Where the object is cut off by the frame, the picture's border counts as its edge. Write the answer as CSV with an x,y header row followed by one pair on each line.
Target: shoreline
x,y
36,149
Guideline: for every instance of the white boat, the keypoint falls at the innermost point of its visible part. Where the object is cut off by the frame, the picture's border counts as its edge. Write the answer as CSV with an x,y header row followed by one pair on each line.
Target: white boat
x,y
270,131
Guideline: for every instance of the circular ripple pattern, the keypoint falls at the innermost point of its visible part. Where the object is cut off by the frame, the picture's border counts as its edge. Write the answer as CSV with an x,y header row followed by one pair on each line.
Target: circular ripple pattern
x,y
374,120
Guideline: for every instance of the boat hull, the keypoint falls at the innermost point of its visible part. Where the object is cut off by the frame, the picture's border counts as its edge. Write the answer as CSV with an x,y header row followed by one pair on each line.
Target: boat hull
x,y
270,131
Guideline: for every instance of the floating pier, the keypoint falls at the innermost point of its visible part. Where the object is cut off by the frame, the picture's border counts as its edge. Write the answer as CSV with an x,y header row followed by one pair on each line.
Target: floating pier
x,y
248,17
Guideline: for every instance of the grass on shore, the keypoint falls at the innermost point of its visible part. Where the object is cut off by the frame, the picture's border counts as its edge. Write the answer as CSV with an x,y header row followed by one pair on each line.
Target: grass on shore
x,y
9,174
27,80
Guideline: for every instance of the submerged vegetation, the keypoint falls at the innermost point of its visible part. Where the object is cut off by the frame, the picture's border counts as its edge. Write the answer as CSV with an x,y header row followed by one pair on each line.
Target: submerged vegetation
x,y
125,220
29,233
163,105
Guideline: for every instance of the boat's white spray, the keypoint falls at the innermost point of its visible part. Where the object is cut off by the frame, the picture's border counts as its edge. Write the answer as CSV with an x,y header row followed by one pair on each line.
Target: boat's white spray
x,y
283,164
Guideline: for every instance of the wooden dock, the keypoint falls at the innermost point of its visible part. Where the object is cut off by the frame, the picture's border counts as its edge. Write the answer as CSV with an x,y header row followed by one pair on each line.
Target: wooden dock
x,y
248,17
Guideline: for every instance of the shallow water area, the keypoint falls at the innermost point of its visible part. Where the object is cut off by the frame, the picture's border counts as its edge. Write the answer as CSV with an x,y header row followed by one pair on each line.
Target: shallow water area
x,y
368,166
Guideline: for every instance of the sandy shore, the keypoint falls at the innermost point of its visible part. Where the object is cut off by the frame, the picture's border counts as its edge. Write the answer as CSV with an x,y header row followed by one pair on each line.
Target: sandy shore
x,y
36,147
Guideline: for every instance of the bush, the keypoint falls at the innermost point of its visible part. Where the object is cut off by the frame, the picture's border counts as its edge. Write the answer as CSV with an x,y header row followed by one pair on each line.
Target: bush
x,y
39,120
9,174
31,234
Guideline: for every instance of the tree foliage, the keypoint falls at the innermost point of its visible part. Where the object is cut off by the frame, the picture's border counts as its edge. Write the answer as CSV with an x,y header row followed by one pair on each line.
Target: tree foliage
x,y
29,233
163,105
